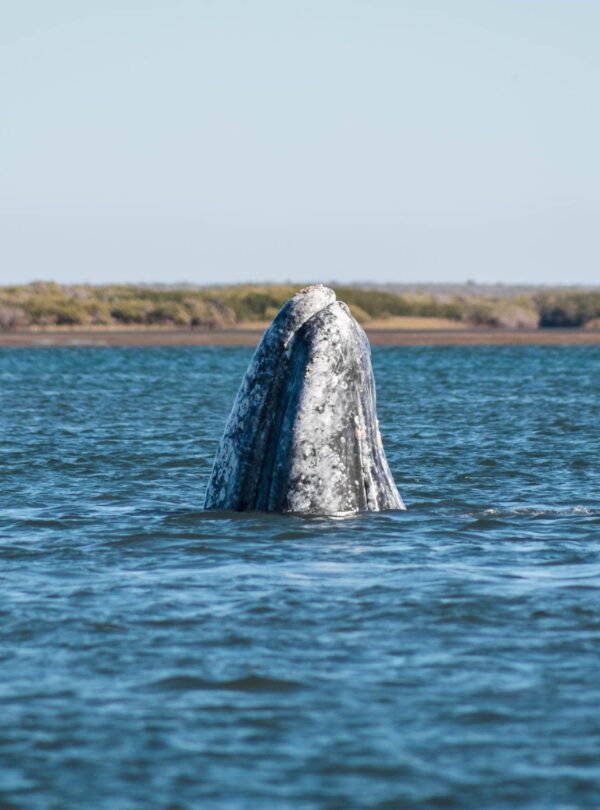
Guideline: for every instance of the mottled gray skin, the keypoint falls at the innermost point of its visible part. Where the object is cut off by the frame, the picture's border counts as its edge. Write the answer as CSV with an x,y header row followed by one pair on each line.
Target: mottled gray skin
x,y
303,434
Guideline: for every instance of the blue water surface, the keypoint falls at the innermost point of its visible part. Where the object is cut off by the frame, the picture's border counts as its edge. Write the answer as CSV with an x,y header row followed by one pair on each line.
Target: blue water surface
x,y
156,656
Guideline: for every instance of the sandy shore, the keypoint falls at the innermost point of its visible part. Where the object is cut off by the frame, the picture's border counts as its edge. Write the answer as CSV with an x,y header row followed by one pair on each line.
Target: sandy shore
x,y
251,336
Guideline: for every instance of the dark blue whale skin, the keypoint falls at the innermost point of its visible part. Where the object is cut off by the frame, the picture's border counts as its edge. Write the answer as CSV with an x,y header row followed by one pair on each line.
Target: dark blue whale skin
x,y
303,434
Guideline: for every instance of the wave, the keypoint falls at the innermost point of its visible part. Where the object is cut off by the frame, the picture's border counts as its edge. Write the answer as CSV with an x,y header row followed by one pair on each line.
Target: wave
x,y
248,683
540,511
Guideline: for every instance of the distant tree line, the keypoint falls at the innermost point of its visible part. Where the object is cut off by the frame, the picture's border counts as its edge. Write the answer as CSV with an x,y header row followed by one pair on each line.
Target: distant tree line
x,y
47,304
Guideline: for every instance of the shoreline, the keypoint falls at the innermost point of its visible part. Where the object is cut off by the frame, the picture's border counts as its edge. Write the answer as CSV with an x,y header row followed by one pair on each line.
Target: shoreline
x,y
250,337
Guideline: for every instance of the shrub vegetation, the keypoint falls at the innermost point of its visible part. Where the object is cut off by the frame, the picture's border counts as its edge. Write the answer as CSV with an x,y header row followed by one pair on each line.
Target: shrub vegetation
x,y
573,309
46,304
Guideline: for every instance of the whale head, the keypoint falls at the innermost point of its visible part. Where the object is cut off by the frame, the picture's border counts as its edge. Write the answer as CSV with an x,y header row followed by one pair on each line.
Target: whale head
x,y
303,434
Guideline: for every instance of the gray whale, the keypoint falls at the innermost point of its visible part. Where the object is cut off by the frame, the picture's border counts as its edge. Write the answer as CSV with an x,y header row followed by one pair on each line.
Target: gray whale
x,y
303,434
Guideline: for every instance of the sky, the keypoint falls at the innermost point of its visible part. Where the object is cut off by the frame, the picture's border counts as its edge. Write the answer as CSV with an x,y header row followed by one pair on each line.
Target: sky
x,y
217,141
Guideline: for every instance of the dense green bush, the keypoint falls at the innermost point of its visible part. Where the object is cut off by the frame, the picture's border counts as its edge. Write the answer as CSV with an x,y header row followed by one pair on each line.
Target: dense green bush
x,y
379,304
168,312
56,311
569,310
128,311
254,305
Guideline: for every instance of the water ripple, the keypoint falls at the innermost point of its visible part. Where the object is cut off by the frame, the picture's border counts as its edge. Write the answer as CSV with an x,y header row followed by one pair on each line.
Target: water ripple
x,y
154,655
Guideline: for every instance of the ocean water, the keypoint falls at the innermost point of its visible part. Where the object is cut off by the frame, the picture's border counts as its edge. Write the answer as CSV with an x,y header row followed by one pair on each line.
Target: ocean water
x,y
155,656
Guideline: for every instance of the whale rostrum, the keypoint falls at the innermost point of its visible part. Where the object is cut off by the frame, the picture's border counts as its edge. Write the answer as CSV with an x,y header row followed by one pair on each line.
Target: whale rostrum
x,y
303,434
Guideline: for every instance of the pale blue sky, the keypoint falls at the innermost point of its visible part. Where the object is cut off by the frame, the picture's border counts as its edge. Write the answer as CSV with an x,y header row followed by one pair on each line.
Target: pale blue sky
x,y
381,140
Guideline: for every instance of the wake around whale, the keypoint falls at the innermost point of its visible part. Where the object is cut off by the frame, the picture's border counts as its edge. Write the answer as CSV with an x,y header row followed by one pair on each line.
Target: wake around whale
x,y
303,435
